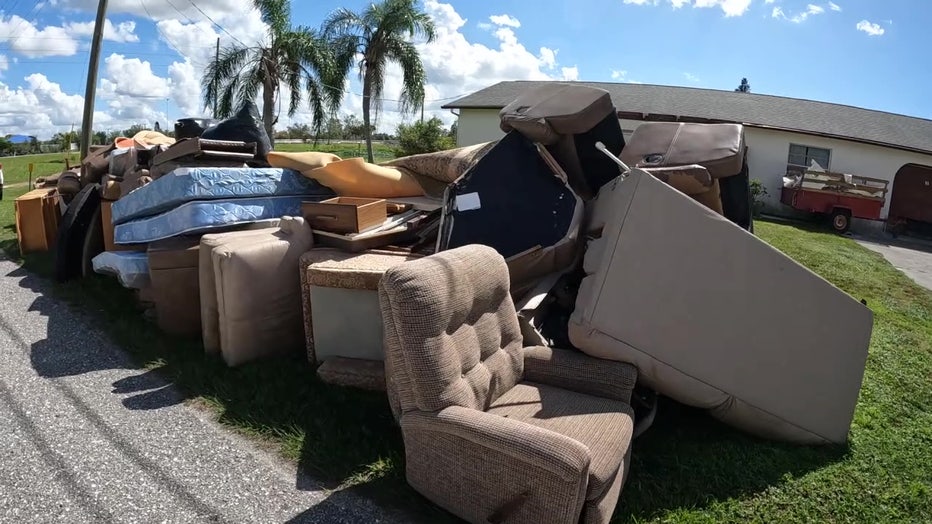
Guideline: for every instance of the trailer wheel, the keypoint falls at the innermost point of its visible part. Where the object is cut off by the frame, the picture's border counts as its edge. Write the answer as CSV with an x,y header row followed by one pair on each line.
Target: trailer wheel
x,y
841,220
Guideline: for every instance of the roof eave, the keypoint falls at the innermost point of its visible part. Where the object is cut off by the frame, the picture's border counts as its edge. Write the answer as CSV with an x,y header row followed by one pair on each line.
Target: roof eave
x,y
632,115
455,105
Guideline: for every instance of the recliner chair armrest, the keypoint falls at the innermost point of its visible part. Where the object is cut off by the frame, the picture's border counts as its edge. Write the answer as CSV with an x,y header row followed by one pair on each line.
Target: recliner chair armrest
x,y
480,466
579,372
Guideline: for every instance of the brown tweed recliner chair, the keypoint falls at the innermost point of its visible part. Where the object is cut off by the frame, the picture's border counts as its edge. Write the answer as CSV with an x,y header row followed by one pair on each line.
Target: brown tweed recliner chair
x,y
493,431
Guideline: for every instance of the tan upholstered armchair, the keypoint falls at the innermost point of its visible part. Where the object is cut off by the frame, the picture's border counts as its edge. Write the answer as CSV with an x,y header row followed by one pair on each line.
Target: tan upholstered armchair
x,y
493,431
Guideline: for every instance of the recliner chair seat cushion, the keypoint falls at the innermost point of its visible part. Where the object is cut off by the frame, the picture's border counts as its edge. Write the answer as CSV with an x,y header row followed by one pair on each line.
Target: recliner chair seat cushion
x,y
602,425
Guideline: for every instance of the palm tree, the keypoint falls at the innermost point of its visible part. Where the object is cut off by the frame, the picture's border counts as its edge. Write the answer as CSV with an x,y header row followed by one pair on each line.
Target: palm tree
x,y
381,34
296,57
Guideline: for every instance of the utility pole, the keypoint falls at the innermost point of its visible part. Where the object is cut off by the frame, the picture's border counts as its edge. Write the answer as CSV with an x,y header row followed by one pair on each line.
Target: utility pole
x,y
90,91
216,94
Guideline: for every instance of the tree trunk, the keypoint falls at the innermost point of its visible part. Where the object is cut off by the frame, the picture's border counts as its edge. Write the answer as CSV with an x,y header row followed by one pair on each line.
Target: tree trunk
x,y
268,109
366,99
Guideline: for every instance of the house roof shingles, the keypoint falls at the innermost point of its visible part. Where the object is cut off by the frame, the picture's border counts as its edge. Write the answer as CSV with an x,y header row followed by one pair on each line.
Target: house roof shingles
x,y
792,114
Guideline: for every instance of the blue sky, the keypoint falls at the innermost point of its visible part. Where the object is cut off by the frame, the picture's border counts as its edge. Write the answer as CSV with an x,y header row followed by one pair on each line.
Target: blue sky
x,y
859,52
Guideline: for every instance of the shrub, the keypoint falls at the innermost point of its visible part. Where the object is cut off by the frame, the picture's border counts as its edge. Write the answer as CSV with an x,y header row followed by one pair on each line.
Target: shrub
x,y
423,137
758,192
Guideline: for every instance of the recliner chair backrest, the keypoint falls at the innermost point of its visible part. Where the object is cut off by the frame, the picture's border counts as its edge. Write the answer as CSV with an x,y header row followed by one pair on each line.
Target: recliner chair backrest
x,y
451,331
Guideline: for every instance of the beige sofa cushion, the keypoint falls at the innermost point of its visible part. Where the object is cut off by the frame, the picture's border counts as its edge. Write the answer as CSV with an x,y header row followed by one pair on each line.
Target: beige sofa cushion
x,y
259,293
210,327
714,317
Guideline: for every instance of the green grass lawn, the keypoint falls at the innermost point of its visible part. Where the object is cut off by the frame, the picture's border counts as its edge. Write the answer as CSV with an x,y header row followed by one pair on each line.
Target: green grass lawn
x,y
16,168
687,468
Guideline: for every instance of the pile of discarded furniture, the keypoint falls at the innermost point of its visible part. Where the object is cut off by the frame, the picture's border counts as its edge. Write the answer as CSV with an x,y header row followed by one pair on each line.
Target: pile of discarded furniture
x,y
521,302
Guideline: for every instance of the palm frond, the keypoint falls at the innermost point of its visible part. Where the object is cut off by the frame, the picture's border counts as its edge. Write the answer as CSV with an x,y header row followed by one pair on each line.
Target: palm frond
x,y
341,22
222,74
276,14
250,81
413,75
375,69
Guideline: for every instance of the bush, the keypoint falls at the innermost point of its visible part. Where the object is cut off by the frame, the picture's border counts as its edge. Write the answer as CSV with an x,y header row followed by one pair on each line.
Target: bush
x,y
758,192
423,137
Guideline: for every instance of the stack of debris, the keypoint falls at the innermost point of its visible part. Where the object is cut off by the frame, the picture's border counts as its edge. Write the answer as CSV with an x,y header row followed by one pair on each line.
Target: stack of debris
x,y
639,253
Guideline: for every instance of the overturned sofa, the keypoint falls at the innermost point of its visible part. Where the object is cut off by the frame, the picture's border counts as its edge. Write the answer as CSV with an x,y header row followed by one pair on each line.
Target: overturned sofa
x,y
714,317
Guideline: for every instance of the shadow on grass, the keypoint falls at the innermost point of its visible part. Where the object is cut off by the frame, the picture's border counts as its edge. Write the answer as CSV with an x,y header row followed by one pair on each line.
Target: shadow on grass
x,y
347,440
687,459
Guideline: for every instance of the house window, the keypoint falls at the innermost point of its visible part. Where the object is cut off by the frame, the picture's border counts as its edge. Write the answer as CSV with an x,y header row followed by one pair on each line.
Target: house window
x,y
802,157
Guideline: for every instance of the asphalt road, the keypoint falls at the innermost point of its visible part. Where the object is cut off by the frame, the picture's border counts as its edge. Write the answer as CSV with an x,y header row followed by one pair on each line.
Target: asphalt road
x,y
81,439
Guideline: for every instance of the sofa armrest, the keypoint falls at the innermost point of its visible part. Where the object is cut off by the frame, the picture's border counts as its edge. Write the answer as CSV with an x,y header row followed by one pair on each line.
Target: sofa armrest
x,y
511,468
579,372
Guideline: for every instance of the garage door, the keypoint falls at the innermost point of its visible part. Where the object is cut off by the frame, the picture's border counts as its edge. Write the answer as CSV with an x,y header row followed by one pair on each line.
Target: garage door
x,y
911,196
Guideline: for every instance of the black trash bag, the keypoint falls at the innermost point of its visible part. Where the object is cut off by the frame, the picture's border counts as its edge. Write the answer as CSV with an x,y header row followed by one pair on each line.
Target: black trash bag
x,y
188,128
244,126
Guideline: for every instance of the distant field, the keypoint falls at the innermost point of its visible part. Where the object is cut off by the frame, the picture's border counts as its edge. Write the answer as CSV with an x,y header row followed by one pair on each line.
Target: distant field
x,y
16,182
380,151
16,168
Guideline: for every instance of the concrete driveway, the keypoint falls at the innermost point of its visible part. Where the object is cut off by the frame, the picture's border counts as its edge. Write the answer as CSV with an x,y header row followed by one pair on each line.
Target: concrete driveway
x,y
911,257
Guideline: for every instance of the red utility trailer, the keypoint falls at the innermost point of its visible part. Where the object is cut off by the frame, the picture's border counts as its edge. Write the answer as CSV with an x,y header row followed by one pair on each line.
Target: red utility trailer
x,y
838,195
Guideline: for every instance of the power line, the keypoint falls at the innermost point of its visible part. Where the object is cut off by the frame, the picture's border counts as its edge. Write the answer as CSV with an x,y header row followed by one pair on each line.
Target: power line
x,y
216,24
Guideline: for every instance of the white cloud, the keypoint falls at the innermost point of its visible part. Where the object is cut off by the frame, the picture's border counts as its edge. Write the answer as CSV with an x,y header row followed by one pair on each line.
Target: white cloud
x,y
124,32
729,7
4,63
834,7
28,40
185,89
620,75
505,20
691,77
133,90
61,108
811,10
132,77
871,29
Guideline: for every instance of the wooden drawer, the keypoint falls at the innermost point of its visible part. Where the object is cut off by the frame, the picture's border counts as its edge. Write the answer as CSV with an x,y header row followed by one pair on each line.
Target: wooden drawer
x,y
345,214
